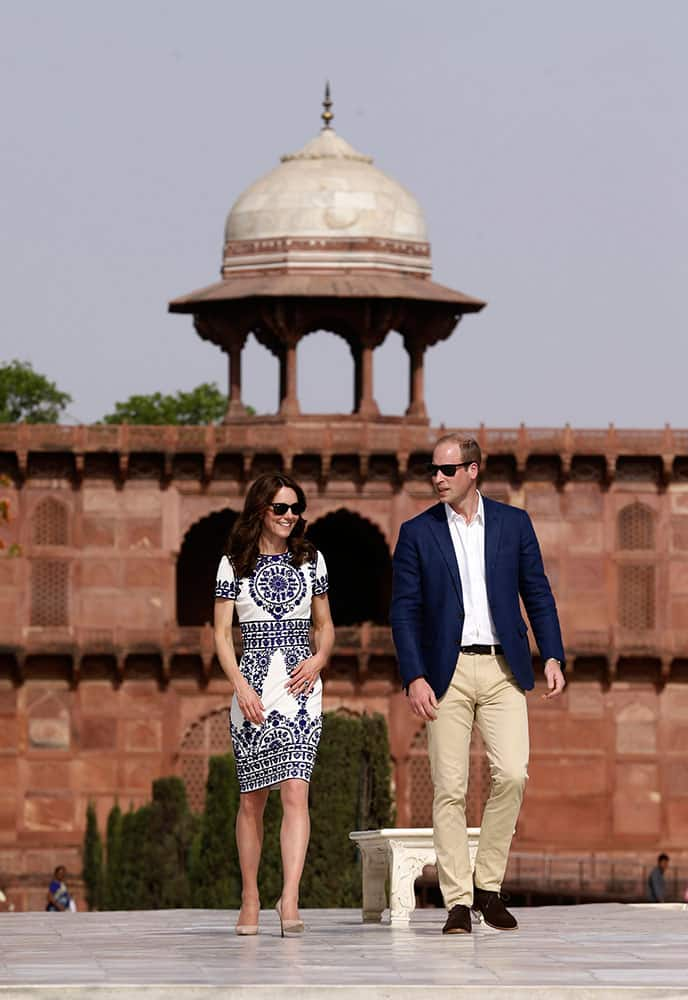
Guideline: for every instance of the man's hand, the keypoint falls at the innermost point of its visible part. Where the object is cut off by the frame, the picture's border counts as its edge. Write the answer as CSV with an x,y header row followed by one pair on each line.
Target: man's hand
x,y
422,699
556,681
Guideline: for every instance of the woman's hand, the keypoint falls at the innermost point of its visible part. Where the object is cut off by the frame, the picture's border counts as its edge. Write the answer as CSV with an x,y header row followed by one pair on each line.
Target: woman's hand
x,y
302,681
251,706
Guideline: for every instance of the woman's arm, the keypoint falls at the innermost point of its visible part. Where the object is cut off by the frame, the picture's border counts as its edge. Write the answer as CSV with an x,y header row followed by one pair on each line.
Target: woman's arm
x,y
52,899
250,704
323,628
308,670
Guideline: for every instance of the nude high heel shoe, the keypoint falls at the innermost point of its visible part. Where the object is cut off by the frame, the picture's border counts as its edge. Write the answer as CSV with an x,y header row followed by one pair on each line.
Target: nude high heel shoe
x,y
247,930
288,926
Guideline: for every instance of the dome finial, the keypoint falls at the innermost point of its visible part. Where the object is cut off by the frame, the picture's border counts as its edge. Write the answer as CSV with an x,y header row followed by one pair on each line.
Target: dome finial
x,y
327,115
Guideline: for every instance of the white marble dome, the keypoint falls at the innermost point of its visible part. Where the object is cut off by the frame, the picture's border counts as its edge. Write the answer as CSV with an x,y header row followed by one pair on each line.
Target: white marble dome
x,y
326,190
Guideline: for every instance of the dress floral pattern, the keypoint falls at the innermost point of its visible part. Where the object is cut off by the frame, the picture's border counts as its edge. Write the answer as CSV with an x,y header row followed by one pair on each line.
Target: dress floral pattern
x,y
273,605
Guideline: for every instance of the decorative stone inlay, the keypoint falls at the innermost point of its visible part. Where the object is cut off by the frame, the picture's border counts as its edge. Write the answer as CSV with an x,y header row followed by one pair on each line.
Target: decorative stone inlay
x,y
406,256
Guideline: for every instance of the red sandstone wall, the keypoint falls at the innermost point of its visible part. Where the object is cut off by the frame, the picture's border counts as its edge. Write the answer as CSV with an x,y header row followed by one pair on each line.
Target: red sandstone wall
x,y
97,708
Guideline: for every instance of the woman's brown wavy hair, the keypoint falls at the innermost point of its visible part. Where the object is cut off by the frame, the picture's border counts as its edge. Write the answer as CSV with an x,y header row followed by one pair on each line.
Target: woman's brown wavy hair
x,y
242,547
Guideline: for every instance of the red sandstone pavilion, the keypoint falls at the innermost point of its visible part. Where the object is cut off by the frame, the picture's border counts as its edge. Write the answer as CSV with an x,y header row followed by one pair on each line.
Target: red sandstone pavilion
x,y
107,673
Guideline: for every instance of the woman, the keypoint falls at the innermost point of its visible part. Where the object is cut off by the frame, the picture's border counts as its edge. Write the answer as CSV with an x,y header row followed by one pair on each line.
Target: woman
x,y
277,582
58,898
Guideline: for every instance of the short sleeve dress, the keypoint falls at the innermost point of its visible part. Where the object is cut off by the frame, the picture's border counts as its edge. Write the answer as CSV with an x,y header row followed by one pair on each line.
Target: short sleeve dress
x,y
273,605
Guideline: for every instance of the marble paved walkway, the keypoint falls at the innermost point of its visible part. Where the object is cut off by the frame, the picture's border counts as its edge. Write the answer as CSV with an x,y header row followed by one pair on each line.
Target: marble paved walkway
x,y
580,952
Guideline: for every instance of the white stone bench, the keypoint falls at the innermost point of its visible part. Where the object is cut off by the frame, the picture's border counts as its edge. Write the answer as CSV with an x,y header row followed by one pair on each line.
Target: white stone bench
x,y
399,855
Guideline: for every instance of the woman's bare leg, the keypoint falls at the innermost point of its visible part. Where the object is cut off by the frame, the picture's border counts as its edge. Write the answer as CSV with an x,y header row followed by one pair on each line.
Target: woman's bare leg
x,y
249,836
294,836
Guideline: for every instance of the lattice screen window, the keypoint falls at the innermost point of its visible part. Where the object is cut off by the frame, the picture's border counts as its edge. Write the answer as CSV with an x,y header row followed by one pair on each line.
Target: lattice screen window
x,y
636,528
421,782
49,593
637,596
204,739
49,523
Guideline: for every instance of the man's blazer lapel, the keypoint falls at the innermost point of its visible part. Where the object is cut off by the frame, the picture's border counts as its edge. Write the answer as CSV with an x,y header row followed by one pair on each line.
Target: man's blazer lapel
x,y
493,532
440,530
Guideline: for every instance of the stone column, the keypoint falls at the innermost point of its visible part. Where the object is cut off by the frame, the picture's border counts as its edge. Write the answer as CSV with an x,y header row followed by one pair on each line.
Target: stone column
x,y
366,405
356,352
235,405
416,352
230,336
289,405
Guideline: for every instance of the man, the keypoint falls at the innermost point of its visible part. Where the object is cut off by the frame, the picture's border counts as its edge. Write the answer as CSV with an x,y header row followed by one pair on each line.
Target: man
x,y
656,883
462,646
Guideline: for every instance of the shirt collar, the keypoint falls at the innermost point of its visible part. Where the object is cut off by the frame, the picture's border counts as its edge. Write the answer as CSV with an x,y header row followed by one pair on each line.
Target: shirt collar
x,y
479,516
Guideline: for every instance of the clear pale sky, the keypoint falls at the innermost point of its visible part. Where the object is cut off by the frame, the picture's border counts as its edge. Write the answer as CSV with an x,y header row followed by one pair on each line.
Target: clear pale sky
x,y
547,142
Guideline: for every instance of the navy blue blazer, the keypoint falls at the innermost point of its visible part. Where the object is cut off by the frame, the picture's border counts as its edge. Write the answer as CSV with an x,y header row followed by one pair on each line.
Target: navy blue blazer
x,y
427,602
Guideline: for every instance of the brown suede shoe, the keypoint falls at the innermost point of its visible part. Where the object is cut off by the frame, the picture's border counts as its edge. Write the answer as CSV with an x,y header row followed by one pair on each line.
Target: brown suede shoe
x,y
493,911
458,920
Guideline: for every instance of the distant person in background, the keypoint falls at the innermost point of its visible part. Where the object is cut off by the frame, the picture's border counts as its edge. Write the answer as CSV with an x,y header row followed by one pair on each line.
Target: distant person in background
x,y
58,899
656,884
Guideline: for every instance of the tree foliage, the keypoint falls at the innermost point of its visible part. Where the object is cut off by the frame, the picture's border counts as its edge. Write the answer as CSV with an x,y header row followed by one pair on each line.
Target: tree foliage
x,y
6,515
93,861
134,891
376,803
29,397
331,876
162,856
203,405
215,879
113,855
171,829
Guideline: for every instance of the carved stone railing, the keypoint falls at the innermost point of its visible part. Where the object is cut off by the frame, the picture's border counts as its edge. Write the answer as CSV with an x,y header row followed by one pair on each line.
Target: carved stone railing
x,y
406,444
589,876
357,643
613,646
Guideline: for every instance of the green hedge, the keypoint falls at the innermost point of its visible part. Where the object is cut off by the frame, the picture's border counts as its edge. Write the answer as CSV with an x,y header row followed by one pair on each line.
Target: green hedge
x,y
214,864
162,856
92,873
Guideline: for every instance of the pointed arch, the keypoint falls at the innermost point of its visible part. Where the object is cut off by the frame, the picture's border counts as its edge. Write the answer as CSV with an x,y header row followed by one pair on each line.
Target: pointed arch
x,y
359,566
203,739
201,551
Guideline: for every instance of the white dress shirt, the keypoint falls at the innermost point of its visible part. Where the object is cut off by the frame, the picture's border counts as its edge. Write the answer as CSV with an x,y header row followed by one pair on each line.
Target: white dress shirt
x,y
469,546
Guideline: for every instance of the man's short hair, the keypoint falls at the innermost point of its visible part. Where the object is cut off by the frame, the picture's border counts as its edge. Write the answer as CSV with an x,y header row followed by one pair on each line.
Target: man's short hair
x,y
662,857
470,449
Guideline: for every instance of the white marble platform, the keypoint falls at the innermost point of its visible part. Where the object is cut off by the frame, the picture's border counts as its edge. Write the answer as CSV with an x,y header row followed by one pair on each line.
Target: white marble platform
x,y
607,950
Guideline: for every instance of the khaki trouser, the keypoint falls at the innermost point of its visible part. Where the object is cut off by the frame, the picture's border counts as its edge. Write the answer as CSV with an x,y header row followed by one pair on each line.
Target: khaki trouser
x,y
482,689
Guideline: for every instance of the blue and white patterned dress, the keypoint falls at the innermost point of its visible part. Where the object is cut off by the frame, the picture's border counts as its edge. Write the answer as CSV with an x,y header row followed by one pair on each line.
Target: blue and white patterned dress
x,y
274,609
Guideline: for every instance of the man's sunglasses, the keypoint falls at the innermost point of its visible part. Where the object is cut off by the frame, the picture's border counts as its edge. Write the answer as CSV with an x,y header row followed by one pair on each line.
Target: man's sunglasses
x,y
446,470
281,508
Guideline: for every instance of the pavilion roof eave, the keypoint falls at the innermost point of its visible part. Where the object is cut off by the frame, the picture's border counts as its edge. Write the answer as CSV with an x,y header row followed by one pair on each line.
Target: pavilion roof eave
x,y
325,285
